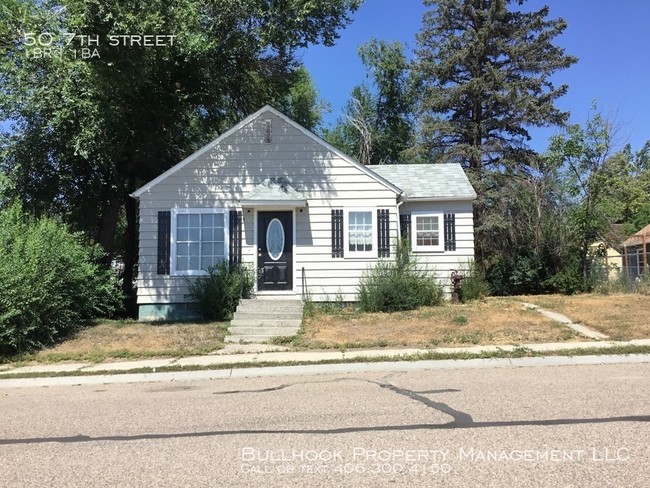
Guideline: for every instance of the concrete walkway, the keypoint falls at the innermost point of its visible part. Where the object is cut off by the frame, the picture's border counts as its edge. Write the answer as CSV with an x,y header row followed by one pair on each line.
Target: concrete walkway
x,y
264,354
558,317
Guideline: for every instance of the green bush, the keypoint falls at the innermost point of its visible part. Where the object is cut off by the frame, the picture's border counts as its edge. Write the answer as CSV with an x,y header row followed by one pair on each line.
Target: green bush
x,y
218,292
399,284
624,283
474,286
50,283
568,280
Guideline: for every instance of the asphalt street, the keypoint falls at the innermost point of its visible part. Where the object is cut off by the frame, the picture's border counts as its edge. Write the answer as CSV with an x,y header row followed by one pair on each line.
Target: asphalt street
x,y
570,426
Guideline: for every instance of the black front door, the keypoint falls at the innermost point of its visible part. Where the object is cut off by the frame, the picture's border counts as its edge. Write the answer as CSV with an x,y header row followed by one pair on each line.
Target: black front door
x,y
274,250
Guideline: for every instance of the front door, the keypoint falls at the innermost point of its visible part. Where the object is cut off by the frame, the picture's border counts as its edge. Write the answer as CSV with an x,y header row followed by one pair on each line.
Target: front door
x,y
274,250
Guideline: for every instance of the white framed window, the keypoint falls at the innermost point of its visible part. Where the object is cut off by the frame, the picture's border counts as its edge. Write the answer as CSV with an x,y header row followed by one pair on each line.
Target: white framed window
x,y
426,231
199,238
360,233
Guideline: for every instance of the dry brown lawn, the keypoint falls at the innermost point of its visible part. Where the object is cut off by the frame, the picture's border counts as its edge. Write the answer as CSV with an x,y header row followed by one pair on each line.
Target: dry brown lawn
x,y
129,339
622,317
490,321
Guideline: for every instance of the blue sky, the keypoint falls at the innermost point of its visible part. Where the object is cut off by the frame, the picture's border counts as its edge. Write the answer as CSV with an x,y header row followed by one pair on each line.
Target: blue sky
x,y
610,38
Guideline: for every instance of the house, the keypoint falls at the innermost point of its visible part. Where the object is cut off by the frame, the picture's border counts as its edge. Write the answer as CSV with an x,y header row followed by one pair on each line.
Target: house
x,y
636,251
606,252
271,194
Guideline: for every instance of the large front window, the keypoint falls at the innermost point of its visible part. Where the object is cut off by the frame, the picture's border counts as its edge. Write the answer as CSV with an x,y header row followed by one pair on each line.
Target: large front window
x,y
427,232
199,239
360,233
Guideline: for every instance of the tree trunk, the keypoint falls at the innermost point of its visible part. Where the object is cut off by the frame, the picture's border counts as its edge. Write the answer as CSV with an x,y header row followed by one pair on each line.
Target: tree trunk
x,y
585,263
130,252
478,248
110,217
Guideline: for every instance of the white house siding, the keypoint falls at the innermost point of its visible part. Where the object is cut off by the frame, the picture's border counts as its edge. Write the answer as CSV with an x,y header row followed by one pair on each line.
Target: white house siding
x,y
443,262
328,278
223,174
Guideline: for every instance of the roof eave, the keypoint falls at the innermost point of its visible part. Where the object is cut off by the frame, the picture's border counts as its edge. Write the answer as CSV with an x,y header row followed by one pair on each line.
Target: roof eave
x,y
339,153
273,203
465,198
147,186
267,108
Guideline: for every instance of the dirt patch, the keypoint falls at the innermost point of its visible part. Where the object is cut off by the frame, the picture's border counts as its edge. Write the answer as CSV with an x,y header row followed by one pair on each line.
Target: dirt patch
x,y
490,321
621,317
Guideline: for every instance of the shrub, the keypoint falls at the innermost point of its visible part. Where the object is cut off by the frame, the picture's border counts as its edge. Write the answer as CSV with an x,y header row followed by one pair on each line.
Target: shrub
x,y
399,284
474,286
218,292
568,280
50,282
624,283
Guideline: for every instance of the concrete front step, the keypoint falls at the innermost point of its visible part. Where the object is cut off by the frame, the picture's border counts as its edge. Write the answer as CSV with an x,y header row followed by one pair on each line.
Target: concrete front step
x,y
247,338
267,331
261,320
267,315
269,310
253,305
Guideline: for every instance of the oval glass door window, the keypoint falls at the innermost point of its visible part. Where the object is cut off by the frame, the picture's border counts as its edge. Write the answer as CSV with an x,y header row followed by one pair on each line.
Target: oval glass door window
x,y
275,239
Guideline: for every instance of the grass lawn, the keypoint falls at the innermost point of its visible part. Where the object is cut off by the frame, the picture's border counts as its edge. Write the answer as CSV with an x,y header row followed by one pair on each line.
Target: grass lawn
x,y
622,317
126,339
490,321
493,321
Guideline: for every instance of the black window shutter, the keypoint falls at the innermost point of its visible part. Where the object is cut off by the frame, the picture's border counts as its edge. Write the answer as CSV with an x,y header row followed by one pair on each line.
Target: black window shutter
x,y
235,230
164,241
405,225
450,232
383,234
337,233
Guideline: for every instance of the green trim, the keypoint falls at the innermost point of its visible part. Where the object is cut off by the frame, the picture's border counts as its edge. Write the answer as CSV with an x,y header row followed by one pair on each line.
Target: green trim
x,y
168,311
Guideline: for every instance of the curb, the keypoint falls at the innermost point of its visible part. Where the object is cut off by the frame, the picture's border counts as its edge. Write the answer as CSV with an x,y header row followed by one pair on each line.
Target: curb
x,y
223,360
274,371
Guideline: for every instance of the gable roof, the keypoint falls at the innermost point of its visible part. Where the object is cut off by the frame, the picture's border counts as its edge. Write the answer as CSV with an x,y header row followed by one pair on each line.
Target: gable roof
x,y
428,181
637,238
247,120
274,191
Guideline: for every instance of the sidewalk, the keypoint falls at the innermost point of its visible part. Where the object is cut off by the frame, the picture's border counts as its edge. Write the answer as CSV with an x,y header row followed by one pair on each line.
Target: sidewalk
x,y
263,354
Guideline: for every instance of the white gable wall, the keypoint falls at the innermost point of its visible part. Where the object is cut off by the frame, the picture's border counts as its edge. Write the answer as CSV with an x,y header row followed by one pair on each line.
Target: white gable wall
x,y
441,263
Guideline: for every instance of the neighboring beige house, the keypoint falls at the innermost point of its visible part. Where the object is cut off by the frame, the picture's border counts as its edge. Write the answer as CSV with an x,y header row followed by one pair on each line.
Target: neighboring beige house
x,y
635,258
611,259
608,250
271,194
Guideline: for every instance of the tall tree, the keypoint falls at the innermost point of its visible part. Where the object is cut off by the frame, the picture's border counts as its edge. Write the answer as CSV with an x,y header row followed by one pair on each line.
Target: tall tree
x,y
606,187
88,131
378,124
538,241
302,102
356,132
484,74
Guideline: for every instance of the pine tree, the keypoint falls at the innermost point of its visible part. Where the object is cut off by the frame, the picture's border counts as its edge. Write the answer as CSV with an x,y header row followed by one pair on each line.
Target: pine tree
x,y
484,75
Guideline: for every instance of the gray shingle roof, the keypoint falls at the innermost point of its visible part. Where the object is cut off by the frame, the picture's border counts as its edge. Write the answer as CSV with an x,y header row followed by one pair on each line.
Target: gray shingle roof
x,y
277,189
428,181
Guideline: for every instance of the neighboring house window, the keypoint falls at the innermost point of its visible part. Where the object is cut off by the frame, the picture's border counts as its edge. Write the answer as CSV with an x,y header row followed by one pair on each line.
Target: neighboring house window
x,y
199,239
360,233
426,233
